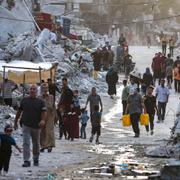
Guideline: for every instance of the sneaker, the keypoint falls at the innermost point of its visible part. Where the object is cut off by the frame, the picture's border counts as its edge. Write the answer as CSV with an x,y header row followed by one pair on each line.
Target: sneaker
x,y
97,142
26,164
42,150
152,132
36,162
91,139
136,136
158,121
49,150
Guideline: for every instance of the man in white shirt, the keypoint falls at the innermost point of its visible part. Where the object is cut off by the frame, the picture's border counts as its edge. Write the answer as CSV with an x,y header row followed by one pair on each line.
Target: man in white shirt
x,y
162,95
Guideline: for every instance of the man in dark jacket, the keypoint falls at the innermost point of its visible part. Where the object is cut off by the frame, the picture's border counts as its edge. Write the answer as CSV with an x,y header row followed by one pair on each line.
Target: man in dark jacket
x,y
66,103
112,79
52,88
66,99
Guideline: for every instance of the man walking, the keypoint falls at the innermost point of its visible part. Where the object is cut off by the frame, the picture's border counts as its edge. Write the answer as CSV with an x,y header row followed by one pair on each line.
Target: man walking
x,y
110,56
157,67
150,103
32,111
135,105
171,46
164,44
124,96
52,88
94,99
66,103
162,95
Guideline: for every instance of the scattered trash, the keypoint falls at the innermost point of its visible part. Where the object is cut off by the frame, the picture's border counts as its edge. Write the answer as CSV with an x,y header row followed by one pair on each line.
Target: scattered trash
x,y
127,169
51,176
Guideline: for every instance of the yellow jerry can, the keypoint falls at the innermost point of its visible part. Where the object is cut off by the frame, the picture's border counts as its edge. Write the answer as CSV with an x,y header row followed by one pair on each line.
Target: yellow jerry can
x,y
144,119
126,121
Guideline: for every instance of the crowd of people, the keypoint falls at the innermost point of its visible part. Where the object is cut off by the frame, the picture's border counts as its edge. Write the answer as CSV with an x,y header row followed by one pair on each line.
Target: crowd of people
x,y
103,59
165,67
138,98
38,113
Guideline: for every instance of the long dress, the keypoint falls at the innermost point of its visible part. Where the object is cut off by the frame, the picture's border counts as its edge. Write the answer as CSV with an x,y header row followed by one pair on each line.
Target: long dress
x,y
111,79
47,133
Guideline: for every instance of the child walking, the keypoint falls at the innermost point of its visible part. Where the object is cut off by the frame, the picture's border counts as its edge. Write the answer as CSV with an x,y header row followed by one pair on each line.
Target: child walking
x,y
84,119
76,102
62,130
96,124
6,141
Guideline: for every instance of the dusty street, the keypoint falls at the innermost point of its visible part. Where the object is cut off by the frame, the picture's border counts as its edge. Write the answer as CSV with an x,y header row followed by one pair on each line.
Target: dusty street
x,y
68,160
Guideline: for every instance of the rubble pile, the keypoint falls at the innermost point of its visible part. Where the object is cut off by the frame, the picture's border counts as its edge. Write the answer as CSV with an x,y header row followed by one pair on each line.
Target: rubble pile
x,y
16,46
31,47
170,148
7,116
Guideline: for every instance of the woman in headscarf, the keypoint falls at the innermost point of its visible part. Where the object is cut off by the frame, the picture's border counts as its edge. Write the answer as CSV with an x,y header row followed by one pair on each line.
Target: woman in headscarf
x,y
147,78
112,79
47,139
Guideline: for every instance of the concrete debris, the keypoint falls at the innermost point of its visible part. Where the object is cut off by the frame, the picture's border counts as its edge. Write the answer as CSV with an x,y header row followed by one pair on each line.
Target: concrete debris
x,y
42,39
11,26
169,149
7,116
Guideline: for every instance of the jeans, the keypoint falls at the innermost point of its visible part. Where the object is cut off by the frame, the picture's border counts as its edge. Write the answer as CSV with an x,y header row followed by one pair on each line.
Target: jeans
x,y
34,134
83,130
151,121
135,122
161,110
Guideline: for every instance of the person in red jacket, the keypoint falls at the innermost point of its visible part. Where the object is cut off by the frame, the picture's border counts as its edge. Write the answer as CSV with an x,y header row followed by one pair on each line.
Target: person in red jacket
x,y
157,67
